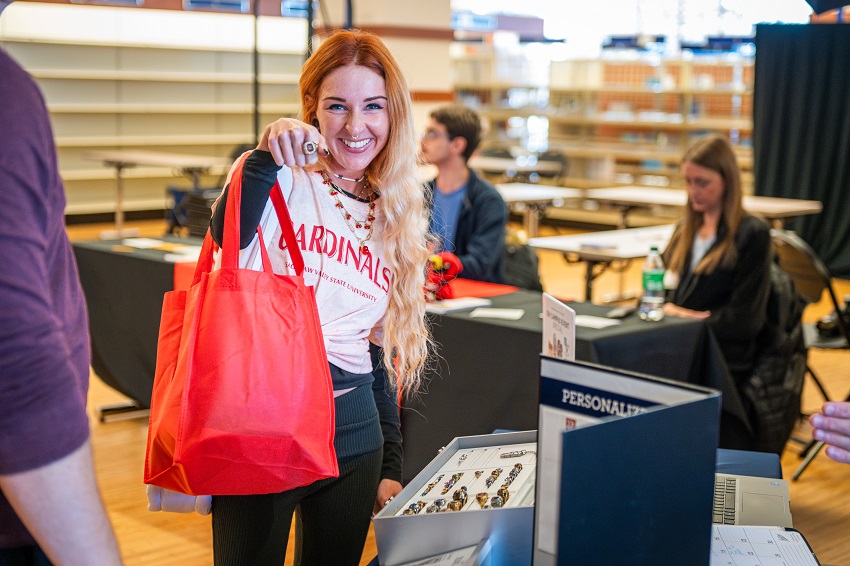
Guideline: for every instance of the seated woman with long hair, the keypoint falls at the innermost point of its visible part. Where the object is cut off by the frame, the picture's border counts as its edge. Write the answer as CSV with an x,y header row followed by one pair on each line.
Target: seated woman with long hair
x,y
718,263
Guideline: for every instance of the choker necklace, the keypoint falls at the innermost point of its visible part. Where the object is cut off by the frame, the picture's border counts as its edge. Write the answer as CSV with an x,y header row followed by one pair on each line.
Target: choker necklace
x,y
350,221
338,176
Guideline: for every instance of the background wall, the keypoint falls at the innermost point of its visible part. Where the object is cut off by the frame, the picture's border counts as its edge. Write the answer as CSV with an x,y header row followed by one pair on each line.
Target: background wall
x,y
133,79
118,78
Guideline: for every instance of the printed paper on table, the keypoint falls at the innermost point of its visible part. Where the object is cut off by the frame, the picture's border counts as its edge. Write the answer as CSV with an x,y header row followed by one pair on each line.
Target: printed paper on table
x,y
559,329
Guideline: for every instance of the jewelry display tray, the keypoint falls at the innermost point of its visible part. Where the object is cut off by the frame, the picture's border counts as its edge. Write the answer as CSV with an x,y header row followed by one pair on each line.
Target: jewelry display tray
x,y
404,538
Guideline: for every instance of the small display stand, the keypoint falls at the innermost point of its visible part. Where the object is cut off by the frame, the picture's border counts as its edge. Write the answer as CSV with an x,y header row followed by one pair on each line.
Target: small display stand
x,y
477,488
479,478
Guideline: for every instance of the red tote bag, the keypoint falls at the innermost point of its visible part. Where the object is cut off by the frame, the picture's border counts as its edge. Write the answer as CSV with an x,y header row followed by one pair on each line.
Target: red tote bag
x,y
242,398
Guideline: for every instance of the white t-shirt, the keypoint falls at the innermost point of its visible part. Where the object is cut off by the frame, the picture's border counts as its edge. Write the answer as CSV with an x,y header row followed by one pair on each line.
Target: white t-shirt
x,y
351,286
699,249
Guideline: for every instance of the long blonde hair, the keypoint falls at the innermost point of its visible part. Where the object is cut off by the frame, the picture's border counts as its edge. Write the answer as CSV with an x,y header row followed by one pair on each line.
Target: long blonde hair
x,y
406,336
712,152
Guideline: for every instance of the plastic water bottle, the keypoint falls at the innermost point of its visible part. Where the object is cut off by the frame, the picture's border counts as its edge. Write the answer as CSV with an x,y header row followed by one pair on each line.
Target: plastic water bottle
x,y
652,301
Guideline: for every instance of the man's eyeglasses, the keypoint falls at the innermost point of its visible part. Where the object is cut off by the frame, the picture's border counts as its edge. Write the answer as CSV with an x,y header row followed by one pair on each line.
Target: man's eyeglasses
x,y
434,134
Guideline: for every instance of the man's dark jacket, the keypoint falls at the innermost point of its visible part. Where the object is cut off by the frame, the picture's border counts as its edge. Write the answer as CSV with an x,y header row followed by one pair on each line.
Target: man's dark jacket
x,y
480,234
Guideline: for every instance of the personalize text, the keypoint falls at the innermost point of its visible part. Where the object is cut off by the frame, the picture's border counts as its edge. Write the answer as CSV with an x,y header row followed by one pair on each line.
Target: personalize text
x,y
599,404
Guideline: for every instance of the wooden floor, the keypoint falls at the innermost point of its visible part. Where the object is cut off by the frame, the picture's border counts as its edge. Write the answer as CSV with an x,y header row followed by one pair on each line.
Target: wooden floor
x,y
819,499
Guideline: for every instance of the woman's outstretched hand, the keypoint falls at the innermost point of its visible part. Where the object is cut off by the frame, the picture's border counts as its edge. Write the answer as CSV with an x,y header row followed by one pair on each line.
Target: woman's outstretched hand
x,y
293,143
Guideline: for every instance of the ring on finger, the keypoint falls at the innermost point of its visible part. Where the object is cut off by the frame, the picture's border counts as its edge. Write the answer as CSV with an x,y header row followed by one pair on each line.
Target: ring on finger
x,y
309,147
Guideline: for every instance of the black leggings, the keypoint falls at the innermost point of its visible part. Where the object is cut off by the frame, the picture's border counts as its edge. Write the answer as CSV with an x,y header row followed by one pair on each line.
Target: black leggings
x,y
332,520
23,556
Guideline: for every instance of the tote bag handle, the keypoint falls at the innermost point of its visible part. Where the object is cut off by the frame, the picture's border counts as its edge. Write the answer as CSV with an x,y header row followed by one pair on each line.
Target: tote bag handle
x,y
230,239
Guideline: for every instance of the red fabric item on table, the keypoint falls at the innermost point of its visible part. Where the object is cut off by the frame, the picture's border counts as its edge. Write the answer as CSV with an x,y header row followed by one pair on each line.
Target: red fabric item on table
x,y
183,274
470,288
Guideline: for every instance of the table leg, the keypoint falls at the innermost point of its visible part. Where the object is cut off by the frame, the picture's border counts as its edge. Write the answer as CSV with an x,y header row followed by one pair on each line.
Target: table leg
x,y
621,295
624,217
590,274
813,451
119,231
588,284
119,199
532,220
594,270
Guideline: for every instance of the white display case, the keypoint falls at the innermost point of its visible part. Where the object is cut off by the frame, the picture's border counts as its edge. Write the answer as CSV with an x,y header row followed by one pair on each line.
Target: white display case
x,y
427,517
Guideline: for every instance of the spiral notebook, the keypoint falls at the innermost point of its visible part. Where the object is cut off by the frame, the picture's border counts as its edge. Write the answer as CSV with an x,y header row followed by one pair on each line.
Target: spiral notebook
x,y
759,546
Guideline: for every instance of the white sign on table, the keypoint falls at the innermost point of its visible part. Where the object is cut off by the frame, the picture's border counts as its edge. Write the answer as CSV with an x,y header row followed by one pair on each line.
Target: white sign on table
x,y
559,329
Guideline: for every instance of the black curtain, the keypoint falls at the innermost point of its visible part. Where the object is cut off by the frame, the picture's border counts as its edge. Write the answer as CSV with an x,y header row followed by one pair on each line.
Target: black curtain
x,y
801,129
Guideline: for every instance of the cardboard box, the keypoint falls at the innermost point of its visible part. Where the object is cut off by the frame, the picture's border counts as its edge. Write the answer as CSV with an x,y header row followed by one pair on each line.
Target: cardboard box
x,y
404,538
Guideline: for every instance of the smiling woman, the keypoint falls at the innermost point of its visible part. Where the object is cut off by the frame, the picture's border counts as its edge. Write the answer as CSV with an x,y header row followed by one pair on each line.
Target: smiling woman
x,y
352,113
347,170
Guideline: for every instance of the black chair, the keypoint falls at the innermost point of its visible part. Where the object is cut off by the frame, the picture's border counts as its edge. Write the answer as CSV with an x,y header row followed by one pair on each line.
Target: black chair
x,y
521,265
190,211
811,278
497,175
199,210
496,151
555,157
190,205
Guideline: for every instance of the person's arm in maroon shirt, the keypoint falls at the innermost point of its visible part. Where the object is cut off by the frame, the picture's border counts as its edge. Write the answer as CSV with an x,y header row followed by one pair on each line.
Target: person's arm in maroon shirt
x,y
46,468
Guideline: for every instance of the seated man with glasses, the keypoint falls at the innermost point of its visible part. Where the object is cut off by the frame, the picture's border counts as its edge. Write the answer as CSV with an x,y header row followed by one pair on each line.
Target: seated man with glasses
x,y
468,216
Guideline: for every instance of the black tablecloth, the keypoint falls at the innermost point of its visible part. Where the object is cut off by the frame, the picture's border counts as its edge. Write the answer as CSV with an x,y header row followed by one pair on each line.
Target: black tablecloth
x,y
124,291
485,376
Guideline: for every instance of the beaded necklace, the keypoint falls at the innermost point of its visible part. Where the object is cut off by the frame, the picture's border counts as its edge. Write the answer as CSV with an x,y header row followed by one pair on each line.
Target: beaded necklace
x,y
350,220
